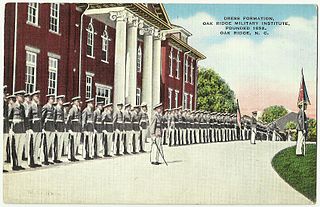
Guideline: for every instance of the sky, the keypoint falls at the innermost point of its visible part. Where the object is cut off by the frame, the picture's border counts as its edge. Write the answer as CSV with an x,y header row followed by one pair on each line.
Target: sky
x,y
262,70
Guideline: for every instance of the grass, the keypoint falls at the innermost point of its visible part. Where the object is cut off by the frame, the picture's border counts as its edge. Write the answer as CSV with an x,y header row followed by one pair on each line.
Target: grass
x,y
298,171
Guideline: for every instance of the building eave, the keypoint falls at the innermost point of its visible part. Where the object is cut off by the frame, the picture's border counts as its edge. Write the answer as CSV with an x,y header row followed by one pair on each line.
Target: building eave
x,y
187,47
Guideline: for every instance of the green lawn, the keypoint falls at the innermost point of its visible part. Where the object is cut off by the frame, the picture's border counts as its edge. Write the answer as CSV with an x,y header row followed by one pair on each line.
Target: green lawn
x,y
298,171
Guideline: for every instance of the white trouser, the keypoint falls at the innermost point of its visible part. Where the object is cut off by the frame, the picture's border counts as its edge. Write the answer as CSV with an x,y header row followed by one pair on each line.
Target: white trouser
x,y
223,135
144,133
99,143
88,147
300,140
136,141
20,142
118,138
76,143
253,135
197,135
62,137
66,144
156,141
184,136
274,136
128,143
108,142
4,146
49,136
36,146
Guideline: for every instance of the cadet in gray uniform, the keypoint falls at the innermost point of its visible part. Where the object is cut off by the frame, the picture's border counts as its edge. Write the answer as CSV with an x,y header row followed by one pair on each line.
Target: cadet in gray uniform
x,y
128,129
136,117
191,126
253,128
17,130
48,123
60,127
98,127
34,117
165,126
66,108
196,127
155,132
170,127
183,124
144,125
107,121
88,130
26,104
180,126
119,130
6,140
176,127
74,129
302,128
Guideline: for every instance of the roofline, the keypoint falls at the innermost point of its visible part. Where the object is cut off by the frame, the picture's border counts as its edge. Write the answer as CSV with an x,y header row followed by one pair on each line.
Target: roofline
x,y
189,47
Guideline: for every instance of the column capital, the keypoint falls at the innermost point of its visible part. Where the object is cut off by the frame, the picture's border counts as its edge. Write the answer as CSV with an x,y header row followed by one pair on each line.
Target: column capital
x,y
118,15
133,21
159,36
149,31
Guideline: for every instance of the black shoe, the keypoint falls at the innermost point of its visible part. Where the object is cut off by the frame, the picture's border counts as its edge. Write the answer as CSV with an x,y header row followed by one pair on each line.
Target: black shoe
x,y
57,161
51,163
45,163
155,163
32,166
158,163
21,168
4,171
142,151
135,152
7,161
108,156
118,154
97,157
15,168
86,158
126,153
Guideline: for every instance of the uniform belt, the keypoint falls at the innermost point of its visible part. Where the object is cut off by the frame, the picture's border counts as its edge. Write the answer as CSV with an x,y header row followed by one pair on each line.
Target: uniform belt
x,y
75,120
89,122
35,119
109,123
59,121
15,121
119,122
135,122
49,120
128,122
98,122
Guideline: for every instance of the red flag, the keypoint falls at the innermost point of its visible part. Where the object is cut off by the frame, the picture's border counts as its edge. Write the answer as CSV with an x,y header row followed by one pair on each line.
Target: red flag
x,y
303,93
238,115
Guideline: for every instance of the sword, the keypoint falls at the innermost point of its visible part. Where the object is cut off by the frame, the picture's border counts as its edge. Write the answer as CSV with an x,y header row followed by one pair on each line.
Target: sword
x,y
154,142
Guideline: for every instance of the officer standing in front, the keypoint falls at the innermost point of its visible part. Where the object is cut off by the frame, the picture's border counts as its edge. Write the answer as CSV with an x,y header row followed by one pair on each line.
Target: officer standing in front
x,y
302,128
118,121
88,130
107,122
128,129
144,125
60,127
98,127
136,117
155,132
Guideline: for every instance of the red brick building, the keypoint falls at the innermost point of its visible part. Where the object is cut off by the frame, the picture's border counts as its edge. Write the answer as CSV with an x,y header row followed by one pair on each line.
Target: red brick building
x,y
129,53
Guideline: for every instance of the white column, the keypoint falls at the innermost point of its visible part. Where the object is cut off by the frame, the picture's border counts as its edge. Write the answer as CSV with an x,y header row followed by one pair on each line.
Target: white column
x,y
120,56
131,74
156,72
146,92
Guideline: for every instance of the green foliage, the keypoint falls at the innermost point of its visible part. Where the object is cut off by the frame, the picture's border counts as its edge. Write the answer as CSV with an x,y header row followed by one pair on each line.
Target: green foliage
x,y
214,94
312,130
298,171
291,126
272,113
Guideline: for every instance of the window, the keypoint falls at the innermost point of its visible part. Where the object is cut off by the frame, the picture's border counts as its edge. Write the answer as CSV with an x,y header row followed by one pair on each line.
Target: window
x,y
89,85
54,17
186,70
33,13
53,75
190,102
105,45
191,72
90,39
169,98
176,98
138,98
31,68
139,59
103,93
170,61
185,100
178,65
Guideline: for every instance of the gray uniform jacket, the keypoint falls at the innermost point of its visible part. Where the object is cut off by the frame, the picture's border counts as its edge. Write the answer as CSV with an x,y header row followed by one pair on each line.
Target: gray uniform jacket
x,y
74,119
47,116
144,121
156,125
97,120
87,120
18,116
127,120
107,121
59,118
118,120
5,117
136,117
35,117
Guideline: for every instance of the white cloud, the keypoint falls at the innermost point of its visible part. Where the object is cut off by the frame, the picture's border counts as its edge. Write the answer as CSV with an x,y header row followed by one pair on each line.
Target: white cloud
x,y
264,68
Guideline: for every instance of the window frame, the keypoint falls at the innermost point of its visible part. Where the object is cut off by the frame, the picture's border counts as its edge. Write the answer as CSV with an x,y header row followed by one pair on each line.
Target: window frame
x,y
90,41
105,45
186,71
139,59
107,99
171,62
57,17
185,100
176,98
34,75
138,96
191,102
192,71
33,6
53,70
178,65
89,85
170,97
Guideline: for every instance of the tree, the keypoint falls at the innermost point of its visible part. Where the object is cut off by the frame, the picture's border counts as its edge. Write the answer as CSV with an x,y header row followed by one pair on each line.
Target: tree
x,y
272,113
213,93
312,130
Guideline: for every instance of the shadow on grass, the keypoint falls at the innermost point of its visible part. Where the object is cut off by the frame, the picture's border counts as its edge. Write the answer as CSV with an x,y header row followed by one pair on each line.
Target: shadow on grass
x,y
298,171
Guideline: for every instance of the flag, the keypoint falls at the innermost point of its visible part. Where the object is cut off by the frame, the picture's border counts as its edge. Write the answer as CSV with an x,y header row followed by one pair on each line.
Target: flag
x,y
238,115
303,93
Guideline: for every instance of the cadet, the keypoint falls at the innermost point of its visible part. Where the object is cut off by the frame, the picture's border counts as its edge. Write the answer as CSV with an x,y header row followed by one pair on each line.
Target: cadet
x,y
172,128
66,107
176,127
253,127
17,130
144,125
164,126
191,127
183,127
60,127
180,126
155,132
48,124
211,129
26,104
119,127
74,127
136,117
107,121
6,140
196,127
11,102
207,120
88,130
98,127
128,129
302,128
34,117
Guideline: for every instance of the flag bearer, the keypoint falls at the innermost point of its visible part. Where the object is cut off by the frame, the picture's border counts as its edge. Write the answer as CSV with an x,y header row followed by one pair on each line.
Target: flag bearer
x,y
302,128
